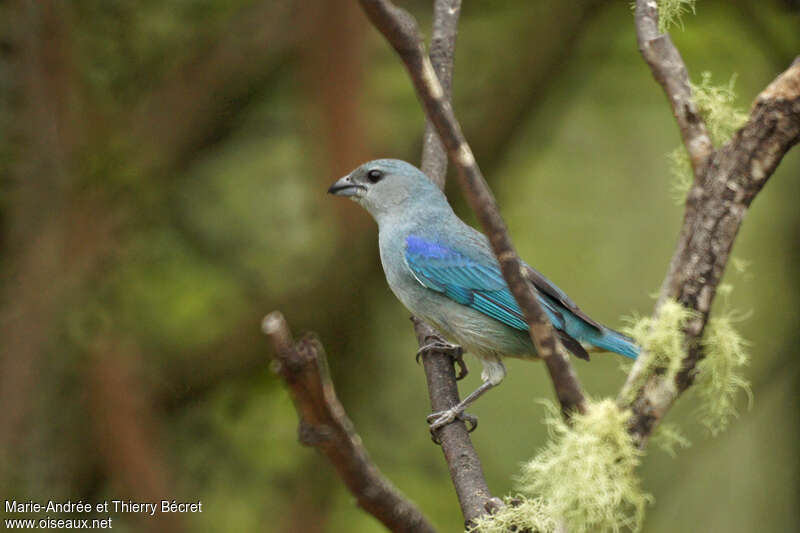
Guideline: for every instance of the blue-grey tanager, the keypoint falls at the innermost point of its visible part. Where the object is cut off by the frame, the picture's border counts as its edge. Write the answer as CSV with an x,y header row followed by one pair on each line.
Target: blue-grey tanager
x,y
444,272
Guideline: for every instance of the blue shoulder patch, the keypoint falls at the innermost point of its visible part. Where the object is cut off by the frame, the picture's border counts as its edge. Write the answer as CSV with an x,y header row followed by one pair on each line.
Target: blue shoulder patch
x,y
476,284
420,247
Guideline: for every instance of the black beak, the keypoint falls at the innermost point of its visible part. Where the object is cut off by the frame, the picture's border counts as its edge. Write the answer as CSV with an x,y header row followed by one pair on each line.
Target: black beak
x,y
345,187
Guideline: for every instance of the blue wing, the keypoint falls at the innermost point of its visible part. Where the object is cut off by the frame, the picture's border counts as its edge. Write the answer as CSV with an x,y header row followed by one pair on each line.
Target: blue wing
x,y
476,283
475,280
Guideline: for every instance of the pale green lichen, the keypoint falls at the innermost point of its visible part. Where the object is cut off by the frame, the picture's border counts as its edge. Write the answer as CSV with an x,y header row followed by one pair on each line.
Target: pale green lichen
x,y
520,514
682,174
742,267
671,12
717,106
669,438
661,339
719,375
585,477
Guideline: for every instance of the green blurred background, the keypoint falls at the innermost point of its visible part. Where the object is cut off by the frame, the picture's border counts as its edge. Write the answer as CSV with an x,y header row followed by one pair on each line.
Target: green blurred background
x,y
164,168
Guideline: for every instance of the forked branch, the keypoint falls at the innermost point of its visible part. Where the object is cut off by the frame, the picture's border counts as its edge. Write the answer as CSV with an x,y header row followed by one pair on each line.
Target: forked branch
x,y
325,425
726,182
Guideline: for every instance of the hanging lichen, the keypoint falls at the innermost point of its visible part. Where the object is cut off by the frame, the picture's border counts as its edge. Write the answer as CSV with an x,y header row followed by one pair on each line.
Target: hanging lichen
x,y
585,476
717,106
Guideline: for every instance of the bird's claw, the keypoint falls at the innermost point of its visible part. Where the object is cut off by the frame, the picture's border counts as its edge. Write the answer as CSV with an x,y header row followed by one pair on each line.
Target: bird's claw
x,y
462,366
442,418
437,345
455,352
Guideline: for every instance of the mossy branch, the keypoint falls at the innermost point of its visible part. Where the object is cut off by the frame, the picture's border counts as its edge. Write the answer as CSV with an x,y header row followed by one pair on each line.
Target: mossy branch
x,y
727,179
719,374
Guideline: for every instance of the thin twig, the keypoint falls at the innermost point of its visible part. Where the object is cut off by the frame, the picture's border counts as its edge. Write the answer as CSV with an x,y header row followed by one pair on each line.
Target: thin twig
x,y
325,425
669,70
442,54
726,183
401,30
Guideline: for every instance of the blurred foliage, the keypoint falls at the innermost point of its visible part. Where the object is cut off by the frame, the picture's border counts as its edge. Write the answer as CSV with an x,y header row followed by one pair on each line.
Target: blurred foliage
x,y
163,169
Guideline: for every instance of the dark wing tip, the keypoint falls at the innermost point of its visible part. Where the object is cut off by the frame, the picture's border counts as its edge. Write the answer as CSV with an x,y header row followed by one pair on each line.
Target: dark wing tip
x,y
573,346
547,288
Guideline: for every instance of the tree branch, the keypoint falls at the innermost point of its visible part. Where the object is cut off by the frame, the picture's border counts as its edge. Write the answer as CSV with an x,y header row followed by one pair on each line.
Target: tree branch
x,y
669,70
325,425
462,459
401,30
725,186
442,55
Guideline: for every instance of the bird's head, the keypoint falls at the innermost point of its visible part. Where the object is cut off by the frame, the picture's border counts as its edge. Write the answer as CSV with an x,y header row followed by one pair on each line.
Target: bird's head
x,y
387,187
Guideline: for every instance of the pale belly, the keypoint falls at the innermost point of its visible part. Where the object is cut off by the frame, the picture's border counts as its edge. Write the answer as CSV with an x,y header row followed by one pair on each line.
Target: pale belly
x,y
477,333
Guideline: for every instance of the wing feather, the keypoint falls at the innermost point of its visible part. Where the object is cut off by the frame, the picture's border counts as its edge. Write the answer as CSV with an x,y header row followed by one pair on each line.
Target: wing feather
x,y
473,278
474,282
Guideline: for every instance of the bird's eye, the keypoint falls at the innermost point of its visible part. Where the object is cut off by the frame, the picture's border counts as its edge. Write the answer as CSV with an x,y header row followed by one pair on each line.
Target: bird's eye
x,y
374,175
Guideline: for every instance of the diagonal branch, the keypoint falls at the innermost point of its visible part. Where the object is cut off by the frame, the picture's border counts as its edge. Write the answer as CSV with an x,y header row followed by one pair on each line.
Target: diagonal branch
x,y
669,70
725,186
401,30
325,425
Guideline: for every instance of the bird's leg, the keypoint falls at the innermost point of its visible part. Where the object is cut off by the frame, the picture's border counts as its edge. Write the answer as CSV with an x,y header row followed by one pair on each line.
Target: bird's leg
x,y
493,373
441,418
455,352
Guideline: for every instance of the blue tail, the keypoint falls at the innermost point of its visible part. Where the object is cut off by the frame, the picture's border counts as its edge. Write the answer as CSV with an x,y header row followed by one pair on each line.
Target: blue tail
x,y
614,341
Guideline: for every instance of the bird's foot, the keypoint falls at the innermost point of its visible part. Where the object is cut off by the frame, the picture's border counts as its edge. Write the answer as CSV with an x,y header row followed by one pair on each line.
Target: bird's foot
x,y
455,352
441,418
